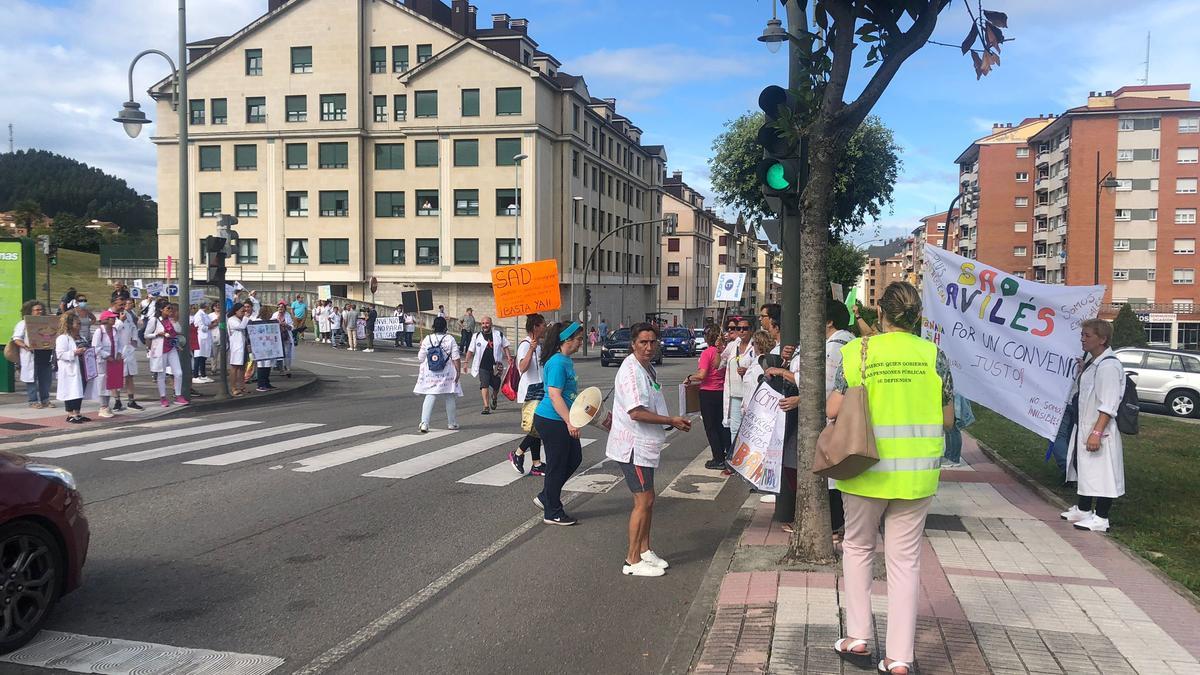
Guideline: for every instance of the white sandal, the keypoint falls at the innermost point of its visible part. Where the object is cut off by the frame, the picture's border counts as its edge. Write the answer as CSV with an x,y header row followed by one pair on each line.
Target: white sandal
x,y
895,664
845,647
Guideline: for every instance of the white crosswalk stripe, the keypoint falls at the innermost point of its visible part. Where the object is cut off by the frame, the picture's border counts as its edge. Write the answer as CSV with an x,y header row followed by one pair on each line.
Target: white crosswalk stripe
x,y
286,446
357,452
503,473
124,429
432,460
695,481
206,443
139,439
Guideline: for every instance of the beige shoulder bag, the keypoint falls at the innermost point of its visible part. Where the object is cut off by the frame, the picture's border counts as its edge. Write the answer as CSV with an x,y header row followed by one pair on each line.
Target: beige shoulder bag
x,y
846,447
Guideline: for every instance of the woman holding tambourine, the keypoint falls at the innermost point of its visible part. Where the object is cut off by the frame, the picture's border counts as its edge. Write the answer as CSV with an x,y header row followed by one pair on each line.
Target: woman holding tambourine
x,y
552,418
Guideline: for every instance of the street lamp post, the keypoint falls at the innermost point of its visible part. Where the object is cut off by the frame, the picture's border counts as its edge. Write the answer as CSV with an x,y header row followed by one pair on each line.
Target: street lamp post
x,y
132,119
575,206
516,250
1105,183
668,220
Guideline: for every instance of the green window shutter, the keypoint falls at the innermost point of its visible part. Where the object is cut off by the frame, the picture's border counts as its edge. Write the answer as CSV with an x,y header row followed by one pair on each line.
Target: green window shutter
x,y
508,101
428,251
247,204
333,155
506,149
210,204
400,59
470,102
424,53
245,157
506,198
297,155
296,108
389,204
466,152
389,251
220,111
334,203
254,62
400,106
378,59
466,251
335,251
196,111
427,153
210,158
427,103
302,59
389,155
466,202
256,109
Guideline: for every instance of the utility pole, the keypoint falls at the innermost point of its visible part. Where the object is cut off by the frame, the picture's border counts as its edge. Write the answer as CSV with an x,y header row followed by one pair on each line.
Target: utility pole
x,y
10,138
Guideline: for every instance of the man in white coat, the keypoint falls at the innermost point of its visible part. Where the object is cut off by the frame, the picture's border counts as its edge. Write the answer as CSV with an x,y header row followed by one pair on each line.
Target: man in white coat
x,y
487,354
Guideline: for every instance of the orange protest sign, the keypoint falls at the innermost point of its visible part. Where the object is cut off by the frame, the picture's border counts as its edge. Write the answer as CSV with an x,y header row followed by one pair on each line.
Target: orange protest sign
x,y
525,289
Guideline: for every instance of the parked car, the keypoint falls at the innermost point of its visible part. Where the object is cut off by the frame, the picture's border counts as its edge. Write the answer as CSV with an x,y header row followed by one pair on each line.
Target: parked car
x,y
678,341
43,544
1165,376
616,348
701,343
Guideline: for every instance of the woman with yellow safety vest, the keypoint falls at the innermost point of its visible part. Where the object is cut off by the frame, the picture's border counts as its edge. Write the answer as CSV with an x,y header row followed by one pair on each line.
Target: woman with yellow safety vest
x,y
910,395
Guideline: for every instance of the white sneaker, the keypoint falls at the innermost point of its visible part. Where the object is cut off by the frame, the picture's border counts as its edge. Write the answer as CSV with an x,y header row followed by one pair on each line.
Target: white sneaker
x,y
1094,523
767,499
423,428
1074,515
652,558
643,569
947,464
105,412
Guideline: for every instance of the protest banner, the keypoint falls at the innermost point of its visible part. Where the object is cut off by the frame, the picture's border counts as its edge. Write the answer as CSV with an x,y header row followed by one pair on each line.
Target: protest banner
x,y
172,290
89,365
266,341
361,329
386,327
195,296
155,288
526,289
324,292
730,286
1012,343
42,330
137,283
758,450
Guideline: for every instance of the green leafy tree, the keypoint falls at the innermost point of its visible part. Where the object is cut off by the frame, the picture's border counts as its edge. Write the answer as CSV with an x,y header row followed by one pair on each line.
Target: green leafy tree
x,y
71,232
845,264
1128,331
28,213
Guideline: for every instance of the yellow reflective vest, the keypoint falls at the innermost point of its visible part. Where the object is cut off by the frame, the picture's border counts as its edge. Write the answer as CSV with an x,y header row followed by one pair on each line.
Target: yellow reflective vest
x,y
904,393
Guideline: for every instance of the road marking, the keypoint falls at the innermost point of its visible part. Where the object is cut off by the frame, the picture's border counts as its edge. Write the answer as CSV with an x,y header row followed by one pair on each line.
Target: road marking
x,y
284,446
87,654
503,473
432,460
398,613
695,481
588,481
172,435
356,452
206,443
387,376
98,433
332,365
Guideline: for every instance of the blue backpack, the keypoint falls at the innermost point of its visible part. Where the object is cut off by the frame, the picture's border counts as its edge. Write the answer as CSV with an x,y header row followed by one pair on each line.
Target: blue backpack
x,y
436,357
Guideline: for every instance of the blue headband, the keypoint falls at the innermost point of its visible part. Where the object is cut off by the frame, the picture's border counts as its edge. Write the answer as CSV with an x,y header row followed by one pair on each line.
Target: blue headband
x,y
569,331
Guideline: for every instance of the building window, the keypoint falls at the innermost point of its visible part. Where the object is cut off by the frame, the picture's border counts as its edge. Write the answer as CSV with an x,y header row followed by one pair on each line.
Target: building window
x,y
506,149
296,108
575,163
673,244
333,155
1020,226
428,251
1019,251
297,251
210,204
196,111
1122,214
1022,176
400,59
466,202
1022,152
672,292
508,101
301,59
247,204
1152,215
427,104
1151,244
1180,277
672,269
1125,155
1183,305
220,111
297,155
1138,124
575,117
378,59
1021,202
1185,216
427,153
507,201
247,251
508,253
400,107
389,156
427,203
466,251
333,107
1185,246
1189,125
1185,156
334,203
1120,275
1124,184
470,103
335,251
256,109
1151,274
245,157
1120,244
254,62
424,53
1185,186
466,152
297,204
389,251
721,259
380,108
210,158
389,204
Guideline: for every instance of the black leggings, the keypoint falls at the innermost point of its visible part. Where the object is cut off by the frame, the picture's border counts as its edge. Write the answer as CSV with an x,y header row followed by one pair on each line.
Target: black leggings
x,y
564,455
712,409
1103,504
532,445
199,364
74,405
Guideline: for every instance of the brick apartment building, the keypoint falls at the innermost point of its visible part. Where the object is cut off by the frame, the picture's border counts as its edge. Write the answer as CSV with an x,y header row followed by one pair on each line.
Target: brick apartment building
x,y
932,230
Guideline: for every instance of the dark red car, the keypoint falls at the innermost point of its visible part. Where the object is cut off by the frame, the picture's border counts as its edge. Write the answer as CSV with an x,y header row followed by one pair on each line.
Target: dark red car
x,y
43,544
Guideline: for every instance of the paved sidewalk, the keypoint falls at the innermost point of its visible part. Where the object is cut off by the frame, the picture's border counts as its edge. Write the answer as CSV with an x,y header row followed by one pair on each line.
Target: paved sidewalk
x,y
1006,587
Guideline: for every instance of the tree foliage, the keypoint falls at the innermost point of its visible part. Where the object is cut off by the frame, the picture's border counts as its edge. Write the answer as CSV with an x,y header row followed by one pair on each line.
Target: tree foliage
x,y
1127,329
845,264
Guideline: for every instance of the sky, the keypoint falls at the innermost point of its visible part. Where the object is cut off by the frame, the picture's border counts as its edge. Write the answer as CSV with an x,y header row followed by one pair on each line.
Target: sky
x,y
679,70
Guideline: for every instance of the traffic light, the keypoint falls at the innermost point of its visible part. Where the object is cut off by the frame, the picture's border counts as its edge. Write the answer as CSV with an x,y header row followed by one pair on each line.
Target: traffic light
x,y
587,297
783,169
53,254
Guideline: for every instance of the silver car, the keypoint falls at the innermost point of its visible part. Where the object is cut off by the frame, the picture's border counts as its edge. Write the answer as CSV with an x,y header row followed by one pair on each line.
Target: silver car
x,y
1164,376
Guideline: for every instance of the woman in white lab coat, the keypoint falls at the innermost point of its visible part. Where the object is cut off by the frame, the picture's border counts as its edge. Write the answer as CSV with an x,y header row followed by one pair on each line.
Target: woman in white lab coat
x,y
1095,456
69,347
440,384
202,349
105,342
164,335
235,324
36,370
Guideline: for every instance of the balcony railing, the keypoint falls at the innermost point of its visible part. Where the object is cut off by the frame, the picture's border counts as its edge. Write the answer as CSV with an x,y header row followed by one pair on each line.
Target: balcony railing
x,y
128,269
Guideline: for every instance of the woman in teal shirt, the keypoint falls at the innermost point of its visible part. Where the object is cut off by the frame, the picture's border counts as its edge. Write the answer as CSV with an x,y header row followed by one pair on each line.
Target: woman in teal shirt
x,y
552,418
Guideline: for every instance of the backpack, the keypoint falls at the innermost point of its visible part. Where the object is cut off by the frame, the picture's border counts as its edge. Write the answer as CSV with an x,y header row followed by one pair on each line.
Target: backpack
x,y
436,357
1127,413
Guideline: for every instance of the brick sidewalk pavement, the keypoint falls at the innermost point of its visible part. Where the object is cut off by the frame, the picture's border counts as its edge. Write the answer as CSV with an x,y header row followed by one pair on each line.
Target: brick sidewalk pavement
x,y
1006,587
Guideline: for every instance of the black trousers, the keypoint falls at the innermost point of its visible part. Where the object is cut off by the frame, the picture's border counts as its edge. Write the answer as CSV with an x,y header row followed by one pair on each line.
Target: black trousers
x,y
1103,504
564,454
533,446
712,409
264,376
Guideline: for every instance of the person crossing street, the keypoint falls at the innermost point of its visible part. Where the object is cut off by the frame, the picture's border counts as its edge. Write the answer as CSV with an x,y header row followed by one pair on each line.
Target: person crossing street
x,y
487,354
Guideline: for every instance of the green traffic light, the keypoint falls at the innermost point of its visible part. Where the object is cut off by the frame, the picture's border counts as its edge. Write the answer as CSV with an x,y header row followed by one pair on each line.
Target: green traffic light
x,y
777,177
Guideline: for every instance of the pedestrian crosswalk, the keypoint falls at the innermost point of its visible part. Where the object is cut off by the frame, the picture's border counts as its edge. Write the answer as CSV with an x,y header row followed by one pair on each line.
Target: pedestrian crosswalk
x,y
371,451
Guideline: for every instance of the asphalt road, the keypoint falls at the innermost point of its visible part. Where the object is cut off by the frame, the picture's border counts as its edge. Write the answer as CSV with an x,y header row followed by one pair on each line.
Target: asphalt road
x,y
336,571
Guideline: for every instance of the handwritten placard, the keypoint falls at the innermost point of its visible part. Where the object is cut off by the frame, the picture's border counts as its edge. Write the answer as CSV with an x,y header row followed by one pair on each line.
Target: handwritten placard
x,y
526,289
42,331
266,341
90,367
758,450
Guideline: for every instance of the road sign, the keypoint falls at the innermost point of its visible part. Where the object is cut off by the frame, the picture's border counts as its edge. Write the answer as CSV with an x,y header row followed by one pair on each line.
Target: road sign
x,y
585,316
172,290
374,284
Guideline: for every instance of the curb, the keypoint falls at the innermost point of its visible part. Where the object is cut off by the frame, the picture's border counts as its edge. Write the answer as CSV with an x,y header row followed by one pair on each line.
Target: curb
x,y
688,641
308,386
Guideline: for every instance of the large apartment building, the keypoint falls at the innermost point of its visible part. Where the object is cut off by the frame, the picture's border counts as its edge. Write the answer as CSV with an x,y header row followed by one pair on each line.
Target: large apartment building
x,y
932,230
738,249
399,141
685,295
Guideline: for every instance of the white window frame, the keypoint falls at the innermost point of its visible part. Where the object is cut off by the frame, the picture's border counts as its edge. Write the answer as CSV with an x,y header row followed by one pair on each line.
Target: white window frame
x,y
1124,184
1151,274
1125,124
1022,176
1183,277
1185,216
1021,226
1021,202
1189,125
1123,214
1120,244
1125,154
1020,251
1154,154
1023,152
1187,156
1151,244
1185,186
1120,275
1185,248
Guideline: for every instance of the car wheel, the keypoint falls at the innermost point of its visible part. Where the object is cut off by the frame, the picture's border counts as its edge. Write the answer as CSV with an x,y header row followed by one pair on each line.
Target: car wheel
x,y
1182,403
31,574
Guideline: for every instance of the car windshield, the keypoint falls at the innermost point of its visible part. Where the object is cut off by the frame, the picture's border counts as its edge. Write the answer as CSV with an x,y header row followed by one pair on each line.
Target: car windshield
x,y
676,333
621,334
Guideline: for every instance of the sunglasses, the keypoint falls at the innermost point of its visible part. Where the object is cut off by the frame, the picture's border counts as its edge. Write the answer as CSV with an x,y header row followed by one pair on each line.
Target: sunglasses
x,y
744,329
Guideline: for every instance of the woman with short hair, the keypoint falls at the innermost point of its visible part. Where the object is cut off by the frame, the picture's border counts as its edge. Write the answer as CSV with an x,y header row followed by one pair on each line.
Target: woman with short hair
x,y
235,325
552,418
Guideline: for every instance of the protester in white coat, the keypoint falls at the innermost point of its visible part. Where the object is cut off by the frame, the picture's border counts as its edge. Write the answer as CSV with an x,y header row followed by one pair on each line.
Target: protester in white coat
x,y
73,387
488,354
1095,457
127,338
442,383
104,341
736,359
321,313
235,325
202,349
164,335
36,364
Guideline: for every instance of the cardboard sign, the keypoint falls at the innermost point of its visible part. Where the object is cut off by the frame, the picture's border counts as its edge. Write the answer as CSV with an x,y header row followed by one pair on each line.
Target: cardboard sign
x,y
90,367
730,286
195,296
758,450
42,331
266,340
135,293
324,292
155,288
526,289
137,283
689,399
